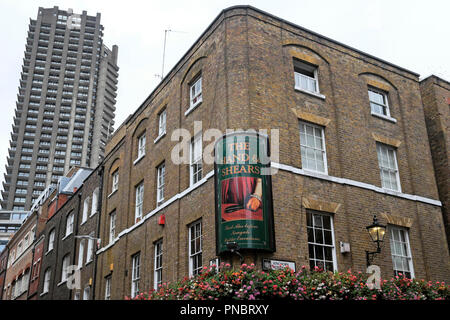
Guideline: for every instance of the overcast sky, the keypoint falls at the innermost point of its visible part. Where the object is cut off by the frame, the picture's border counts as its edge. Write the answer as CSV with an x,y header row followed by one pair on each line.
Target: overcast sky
x,y
412,34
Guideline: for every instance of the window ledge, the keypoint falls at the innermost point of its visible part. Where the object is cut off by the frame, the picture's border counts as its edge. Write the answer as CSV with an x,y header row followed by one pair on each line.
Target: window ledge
x,y
67,235
159,137
138,159
62,282
112,193
192,108
49,251
388,118
94,213
83,222
88,262
314,94
43,294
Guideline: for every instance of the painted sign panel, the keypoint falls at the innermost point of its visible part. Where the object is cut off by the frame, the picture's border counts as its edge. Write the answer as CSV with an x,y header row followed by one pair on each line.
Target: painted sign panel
x,y
243,187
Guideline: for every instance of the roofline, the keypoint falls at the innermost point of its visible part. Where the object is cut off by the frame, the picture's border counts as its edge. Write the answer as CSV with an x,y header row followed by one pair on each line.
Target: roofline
x,y
132,115
435,77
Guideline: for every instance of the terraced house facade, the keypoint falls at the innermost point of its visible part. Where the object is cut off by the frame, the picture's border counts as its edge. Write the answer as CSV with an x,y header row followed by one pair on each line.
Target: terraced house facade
x,y
352,144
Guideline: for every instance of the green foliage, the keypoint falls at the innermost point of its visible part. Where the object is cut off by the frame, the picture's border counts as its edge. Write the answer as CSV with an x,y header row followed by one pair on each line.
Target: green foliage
x,y
248,283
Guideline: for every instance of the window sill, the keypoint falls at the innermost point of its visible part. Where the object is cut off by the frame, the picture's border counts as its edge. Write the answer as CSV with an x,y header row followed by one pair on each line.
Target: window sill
x,y
159,203
320,173
43,294
83,222
88,262
61,283
49,251
112,193
192,108
93,214
381,116
314,94
159,137
138,159
67,235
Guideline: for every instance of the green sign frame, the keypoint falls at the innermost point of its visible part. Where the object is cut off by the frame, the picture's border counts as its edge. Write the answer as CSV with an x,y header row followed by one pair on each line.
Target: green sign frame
x,y
243,192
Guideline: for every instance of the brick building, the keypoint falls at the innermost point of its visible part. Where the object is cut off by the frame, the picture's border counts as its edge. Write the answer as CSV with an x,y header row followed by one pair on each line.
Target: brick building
x,y
87,234
352,144
436,101
63,208
20,257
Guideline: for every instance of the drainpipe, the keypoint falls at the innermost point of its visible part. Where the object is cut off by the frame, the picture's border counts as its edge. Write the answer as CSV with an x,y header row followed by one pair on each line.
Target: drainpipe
x,y
99,208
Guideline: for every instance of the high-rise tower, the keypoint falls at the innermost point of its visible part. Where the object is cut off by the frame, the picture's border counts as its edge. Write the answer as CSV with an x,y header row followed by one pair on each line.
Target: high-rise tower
x,y
65,105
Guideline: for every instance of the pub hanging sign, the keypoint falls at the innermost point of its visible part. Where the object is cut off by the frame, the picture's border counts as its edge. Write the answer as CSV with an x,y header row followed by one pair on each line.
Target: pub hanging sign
x,y
243,192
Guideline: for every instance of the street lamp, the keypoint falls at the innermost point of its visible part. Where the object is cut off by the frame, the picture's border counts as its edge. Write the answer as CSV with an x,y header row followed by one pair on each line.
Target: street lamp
x,y
376,233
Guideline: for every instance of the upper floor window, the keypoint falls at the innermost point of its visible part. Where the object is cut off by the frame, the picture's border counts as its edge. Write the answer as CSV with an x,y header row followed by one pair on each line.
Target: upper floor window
x,y
112,226
378,102
141,146
401,252
161,171
65,267
90,250
387,161
196,162
115,181
51,240
306,76
312,145
139,201
85,210
81,254
94,201
47,275
162,122
69,223
196,92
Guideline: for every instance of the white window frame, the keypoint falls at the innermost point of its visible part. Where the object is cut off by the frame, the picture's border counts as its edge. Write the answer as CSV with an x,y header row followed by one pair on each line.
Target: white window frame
x,y
300,78
85,210
158,264
90,251
112,226
69,223
384,106
195,252
322,245
65,266
81,254
406,255
135,274
108,288
195,93
161,173
303,145
139,201
382,148
196,159
51,240
162,123
141,146
86,293
47,275
94,204
115,181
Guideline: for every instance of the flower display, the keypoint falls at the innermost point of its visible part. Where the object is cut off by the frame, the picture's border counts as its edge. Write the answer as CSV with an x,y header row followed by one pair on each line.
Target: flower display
x,y
247,283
